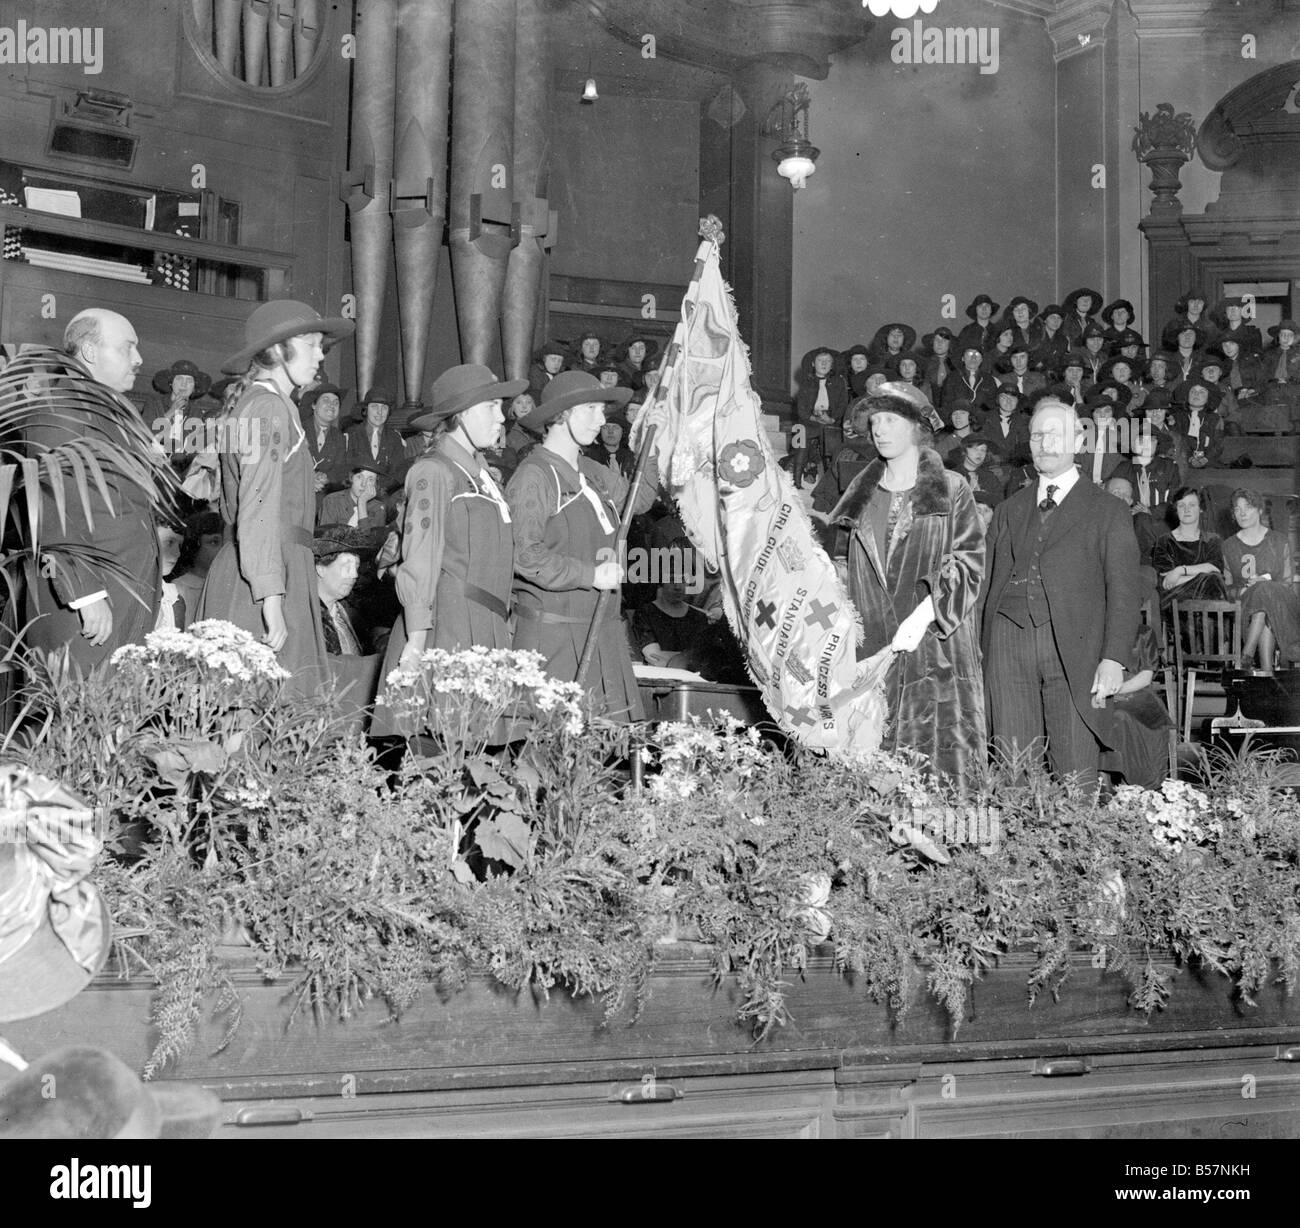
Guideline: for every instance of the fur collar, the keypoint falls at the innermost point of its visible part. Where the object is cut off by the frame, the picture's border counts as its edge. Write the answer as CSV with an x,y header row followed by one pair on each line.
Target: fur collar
x,y
929,495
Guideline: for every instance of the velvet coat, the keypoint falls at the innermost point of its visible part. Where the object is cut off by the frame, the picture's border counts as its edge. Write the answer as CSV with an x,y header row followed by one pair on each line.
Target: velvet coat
x,y
1089,568
936,693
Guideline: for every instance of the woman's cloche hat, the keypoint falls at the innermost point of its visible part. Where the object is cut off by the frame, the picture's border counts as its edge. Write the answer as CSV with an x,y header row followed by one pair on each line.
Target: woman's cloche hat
x,y
279,320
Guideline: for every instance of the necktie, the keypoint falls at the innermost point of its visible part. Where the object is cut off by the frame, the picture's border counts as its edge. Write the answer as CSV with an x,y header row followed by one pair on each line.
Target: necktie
x,y
1144,486
1280,373
1050,502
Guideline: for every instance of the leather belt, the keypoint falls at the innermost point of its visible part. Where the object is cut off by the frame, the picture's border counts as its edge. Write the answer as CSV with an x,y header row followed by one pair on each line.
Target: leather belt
x,y
480,596
544,616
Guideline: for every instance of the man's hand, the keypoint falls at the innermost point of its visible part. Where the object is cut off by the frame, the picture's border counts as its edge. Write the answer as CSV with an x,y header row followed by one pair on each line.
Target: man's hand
x,y
273,618
320,480
96,621
1106,682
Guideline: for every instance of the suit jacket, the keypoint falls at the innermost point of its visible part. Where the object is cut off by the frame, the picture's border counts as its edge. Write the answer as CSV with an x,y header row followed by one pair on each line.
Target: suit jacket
x,y
392,461
118,555
1089,569
1269,360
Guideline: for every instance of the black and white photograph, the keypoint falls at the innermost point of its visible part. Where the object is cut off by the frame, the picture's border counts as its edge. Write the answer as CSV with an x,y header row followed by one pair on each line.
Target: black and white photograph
x,y
698,569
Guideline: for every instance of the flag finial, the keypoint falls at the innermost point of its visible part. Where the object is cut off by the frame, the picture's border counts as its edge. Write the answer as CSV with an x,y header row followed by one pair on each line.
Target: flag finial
x,y
711,228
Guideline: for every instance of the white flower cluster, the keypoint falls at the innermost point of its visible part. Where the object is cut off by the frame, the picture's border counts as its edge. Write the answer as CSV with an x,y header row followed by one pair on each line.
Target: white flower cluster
x,y
690,751
213,644
497,677
1178,815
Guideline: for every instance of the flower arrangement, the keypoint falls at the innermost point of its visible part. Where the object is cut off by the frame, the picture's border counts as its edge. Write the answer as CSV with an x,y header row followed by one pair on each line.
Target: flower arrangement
x,y
541,864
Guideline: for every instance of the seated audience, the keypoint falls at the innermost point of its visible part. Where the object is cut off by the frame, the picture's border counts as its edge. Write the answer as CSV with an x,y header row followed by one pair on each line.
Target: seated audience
x,y
1228,317
1196,428
377,445
982,328
978,462
819,406
548,362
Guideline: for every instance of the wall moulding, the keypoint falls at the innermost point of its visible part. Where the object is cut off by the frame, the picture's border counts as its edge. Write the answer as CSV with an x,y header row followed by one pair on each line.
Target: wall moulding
x,y
1169,18
1078,26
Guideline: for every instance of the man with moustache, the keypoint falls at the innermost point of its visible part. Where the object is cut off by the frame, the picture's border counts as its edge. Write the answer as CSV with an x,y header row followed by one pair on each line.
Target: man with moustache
x,y
103,583
1059,608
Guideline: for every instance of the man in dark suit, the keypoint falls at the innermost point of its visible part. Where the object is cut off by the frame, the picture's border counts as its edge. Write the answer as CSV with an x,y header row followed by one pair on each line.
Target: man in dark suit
x,y
100,586
1059,607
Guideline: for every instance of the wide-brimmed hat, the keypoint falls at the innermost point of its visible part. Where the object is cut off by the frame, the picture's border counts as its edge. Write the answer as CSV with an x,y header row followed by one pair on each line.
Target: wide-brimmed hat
x,y
1130,336
551,347
881,339
1107,369
978,438
1052,309
1071,305
1281,324
845,355
1016,302
1004,390
182,366
1110,309
59,932
1075,358
1123,393
651,347
463,386
335,539
927,342
907,401
1163,356
1214,391
1093,330
806,363
571,388
279,320
312,395
977,300
1180,307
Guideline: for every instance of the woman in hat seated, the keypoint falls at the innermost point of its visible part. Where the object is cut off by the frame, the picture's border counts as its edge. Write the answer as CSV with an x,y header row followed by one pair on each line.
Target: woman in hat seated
x,y
320,408
264,578
179,384
890,343
1115,318
857,366
357,507
1243,373
819,405
588,356
1079,307
1189,561
938,362
1260,571
565,508
1196,428
1281,361
1186,355
458,542
971,383
998,356
981,329
978,461
375,442
636,360
1190,310
1019,316
1229,318
916,560
610,449
548,362
1050,341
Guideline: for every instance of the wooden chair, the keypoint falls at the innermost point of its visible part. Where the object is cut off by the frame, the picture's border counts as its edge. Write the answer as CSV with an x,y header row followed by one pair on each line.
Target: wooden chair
x,y
1207,638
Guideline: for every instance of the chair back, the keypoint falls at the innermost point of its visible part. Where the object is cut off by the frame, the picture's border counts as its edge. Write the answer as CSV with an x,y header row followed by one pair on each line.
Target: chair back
x,y
1207,635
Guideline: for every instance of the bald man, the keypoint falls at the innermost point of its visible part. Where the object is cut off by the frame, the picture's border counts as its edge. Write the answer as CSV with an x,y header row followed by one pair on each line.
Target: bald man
x,y
94,605
1059,607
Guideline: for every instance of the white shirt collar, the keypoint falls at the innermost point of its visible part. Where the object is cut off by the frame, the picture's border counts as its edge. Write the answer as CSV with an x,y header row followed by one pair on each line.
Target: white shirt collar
x,y
1064,483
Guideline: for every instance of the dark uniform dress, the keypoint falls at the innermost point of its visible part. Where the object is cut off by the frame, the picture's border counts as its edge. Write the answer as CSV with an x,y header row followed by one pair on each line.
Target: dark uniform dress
x,y
559,539
268,500
457,565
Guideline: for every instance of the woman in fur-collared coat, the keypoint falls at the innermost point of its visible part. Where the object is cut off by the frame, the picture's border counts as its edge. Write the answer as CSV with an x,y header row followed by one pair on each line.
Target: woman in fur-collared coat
x,y
915,561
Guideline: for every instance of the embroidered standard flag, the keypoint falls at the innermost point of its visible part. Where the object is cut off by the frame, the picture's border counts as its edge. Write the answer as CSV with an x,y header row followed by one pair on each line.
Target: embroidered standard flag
x,y
782,594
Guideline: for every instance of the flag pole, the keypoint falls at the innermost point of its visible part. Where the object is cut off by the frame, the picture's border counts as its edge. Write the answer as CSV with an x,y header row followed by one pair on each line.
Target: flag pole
x,y
607,595
711,231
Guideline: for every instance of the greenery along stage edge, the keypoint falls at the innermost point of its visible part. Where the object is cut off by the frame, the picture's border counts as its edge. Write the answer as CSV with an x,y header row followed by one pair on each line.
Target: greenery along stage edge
x,y
230,804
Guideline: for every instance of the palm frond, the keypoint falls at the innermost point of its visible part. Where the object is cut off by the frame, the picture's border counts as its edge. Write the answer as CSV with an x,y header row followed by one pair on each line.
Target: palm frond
x,y
66,436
